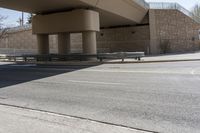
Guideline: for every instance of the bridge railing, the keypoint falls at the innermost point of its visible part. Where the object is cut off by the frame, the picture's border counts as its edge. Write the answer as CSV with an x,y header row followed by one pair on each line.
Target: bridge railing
x,y
166,5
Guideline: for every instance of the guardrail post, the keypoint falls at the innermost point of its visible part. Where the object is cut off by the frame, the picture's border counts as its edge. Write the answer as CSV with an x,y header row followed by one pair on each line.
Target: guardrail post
x,y
25,59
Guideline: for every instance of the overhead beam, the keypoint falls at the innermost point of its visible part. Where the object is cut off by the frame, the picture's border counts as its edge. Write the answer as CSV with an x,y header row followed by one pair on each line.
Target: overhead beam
x,y
73,21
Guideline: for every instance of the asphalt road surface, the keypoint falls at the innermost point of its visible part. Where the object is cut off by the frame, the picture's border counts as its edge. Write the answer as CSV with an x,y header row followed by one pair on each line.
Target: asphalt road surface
x,y
160,97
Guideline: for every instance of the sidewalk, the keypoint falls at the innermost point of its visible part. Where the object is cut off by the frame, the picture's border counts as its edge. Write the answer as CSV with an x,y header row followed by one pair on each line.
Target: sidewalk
x,y
164,58
19,120
174,57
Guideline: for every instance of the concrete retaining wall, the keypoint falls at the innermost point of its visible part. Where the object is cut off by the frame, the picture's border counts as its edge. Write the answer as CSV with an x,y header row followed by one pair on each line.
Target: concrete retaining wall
x,y
108,40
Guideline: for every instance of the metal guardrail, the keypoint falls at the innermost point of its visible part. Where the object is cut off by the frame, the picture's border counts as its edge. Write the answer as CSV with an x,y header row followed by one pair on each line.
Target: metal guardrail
x,y
52,57
121,55
70,57
166,5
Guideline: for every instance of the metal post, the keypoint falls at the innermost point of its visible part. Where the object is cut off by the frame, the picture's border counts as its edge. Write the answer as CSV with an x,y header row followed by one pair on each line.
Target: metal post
x,y
22,18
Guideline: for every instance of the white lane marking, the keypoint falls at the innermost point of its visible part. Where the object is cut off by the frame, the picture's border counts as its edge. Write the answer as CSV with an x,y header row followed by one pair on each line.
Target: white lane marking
x,y
92,82
193,72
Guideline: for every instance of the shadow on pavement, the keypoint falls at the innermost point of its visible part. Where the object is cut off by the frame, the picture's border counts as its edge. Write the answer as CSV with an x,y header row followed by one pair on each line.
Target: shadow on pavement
x,y
13,74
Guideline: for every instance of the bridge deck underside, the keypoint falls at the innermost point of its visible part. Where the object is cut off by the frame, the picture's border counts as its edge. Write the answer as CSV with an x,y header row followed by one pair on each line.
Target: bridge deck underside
x,y
112,12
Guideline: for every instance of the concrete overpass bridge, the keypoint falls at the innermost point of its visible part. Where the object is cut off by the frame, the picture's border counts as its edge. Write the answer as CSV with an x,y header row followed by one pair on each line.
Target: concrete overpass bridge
x,y
63,17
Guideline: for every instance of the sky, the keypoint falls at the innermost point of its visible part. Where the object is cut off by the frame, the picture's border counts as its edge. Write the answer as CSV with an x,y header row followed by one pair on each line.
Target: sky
x,y
13,16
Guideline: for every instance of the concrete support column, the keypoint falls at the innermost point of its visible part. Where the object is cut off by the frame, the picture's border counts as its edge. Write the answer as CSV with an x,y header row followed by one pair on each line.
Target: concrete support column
x,y
43,44
89,42
64,43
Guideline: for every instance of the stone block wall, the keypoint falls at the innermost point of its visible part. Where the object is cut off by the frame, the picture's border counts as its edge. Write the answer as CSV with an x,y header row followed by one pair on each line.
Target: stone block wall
x,y
173,32
24,42
18,42
124,39
117,40
108,40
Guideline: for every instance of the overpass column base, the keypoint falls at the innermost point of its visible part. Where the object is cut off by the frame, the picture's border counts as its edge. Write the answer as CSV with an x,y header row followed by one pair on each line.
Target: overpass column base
x,y
64,43
89,42
43,44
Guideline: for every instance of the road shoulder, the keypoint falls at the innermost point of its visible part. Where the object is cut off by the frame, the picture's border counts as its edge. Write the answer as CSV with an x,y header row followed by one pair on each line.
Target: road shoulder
x,y
20,120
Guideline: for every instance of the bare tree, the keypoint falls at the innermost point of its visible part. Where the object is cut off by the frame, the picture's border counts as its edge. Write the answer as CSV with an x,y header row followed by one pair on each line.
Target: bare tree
x,y
196,11
1,21
3,30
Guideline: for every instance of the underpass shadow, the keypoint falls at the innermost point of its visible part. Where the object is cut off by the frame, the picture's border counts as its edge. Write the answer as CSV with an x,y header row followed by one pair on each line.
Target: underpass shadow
x,y
13,74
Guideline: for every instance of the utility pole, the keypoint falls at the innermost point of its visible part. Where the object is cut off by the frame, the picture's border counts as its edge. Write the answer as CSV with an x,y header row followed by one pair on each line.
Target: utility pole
x,y
22,23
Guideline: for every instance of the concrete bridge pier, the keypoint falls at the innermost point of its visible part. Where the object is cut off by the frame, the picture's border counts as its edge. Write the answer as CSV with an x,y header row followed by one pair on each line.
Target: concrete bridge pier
x,y
64,46
89,42
77,16
75,21
43,44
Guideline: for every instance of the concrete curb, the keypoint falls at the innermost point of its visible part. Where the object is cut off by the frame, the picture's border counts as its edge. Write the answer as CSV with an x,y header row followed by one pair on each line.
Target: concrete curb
x,y
64,63
95,63
156,61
